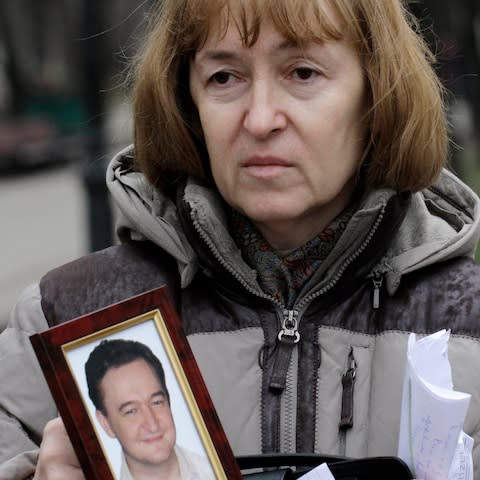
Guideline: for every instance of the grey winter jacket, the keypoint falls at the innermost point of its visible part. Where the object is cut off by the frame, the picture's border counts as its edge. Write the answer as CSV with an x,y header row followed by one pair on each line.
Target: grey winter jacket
x,y
275,375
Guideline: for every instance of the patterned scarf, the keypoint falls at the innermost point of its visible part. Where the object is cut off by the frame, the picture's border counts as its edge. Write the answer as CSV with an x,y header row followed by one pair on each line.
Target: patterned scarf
x,y
280,274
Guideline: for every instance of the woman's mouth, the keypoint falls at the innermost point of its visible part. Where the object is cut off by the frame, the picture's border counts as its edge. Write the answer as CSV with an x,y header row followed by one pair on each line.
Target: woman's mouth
x,y
266,166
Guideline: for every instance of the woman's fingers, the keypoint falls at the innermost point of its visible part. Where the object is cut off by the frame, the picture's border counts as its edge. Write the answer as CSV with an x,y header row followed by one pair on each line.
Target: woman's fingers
x,y
57,459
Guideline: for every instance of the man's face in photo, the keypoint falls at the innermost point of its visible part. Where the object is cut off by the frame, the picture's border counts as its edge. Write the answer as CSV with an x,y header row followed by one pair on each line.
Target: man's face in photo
x,y
138,414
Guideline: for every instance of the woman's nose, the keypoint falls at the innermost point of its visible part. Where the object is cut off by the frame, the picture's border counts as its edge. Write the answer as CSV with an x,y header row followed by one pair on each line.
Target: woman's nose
x,y
263,113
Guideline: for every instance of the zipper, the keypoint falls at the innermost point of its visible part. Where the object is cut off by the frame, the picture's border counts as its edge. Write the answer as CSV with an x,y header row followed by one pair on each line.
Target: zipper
x,y
291,329
288,409
288,335
302,304
346,412
289,326
229,269
377,281
348,383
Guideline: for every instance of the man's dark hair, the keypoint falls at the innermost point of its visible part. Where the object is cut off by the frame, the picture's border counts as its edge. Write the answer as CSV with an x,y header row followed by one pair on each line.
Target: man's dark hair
x,y
116,353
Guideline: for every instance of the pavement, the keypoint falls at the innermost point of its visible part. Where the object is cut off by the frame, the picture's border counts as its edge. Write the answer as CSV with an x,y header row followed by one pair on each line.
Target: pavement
x,y
43,225
43,215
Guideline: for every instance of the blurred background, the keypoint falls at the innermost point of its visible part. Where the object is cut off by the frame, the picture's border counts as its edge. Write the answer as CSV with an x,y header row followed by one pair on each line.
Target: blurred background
x,y
65,110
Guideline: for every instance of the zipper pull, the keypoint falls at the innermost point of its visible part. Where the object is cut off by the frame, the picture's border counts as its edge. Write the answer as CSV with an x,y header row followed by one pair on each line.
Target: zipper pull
x,y
348,382
288,336
377,280
289,326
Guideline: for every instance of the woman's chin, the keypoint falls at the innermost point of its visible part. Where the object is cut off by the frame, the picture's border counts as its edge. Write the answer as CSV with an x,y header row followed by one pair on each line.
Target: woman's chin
x,y
260,214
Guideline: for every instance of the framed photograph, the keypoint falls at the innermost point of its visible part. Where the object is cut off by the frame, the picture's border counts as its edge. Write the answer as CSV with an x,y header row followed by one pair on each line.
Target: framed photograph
x,y
131,395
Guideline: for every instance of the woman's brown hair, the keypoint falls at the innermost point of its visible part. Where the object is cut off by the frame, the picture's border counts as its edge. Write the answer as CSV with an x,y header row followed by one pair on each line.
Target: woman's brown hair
x,y
408,142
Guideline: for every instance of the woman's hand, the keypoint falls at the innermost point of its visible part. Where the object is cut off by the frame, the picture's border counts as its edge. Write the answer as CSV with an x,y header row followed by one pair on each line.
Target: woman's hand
x,y
57,459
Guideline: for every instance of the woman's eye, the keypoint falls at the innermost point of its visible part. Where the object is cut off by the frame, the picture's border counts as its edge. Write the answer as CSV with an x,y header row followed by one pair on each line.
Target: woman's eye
x,y
304,73
221,78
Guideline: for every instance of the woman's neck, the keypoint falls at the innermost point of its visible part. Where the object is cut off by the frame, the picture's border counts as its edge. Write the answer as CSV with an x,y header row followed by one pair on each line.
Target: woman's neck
x,y
289,234
286,236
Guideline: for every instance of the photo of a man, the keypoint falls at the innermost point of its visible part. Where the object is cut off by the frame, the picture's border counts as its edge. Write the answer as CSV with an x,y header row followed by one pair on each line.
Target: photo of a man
x,y
126,383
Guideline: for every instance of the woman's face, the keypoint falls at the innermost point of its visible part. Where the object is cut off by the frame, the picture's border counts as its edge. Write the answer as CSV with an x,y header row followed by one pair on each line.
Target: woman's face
x,y
283,128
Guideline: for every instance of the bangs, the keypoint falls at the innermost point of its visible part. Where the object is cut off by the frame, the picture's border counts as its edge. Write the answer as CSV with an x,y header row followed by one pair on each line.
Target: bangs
x,y
297,20
304,22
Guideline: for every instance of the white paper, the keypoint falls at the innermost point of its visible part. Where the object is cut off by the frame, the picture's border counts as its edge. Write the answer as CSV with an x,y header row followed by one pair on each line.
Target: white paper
x,y
432,413
322,472
462,465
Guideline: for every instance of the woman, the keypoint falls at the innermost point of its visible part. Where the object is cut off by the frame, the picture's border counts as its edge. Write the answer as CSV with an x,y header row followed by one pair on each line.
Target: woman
x,y
287,184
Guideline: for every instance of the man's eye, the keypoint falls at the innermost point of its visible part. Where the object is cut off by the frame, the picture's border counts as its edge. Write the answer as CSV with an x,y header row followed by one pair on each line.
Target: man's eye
x,y
130,411
221,78
158,401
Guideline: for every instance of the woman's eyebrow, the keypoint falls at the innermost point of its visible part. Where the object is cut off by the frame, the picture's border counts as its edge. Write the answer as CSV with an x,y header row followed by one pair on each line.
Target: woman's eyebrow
x,y
222,54
217,55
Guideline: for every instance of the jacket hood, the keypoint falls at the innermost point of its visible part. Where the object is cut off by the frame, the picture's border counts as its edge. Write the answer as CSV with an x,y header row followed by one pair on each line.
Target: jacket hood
x,y
144,213
441,222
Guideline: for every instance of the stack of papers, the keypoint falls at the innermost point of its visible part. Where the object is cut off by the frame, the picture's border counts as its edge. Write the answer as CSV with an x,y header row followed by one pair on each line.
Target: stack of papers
x,y
431,439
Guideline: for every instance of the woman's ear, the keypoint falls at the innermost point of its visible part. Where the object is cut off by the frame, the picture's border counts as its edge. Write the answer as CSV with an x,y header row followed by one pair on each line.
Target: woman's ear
x,y
103,421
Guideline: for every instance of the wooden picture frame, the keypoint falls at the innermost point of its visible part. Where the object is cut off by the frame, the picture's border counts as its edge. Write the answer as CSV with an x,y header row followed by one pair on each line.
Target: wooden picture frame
x,y
151,319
